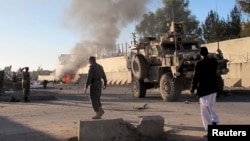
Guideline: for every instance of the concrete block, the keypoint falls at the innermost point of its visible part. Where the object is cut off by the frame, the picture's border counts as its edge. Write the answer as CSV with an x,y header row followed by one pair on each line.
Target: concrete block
x,y
245,75
151,126
106,130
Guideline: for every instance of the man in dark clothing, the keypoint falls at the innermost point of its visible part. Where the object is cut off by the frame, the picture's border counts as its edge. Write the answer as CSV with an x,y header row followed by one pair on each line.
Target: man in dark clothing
x,y
45,82
205,81
95,76
26,83
1,81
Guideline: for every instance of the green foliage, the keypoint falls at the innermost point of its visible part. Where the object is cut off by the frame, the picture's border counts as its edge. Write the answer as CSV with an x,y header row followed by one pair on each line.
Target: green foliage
x,y
211,26
245,32
147,25
244,5
212,30
155,24
234,23
216,29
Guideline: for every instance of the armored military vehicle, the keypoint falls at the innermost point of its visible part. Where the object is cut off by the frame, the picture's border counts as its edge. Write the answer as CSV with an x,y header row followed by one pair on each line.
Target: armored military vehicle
x,y
168,63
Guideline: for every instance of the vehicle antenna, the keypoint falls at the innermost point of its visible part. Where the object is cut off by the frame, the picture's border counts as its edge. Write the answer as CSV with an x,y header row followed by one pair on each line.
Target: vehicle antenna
x,y
175,43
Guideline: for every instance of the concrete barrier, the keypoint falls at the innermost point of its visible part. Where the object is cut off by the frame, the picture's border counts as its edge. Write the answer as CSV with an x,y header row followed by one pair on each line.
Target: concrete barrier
x,y
151,127
233,78
235,50
119,78
245,75
46,77
106,130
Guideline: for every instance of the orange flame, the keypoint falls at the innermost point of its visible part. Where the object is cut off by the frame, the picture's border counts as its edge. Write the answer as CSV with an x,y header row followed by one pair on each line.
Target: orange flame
x,y
67,78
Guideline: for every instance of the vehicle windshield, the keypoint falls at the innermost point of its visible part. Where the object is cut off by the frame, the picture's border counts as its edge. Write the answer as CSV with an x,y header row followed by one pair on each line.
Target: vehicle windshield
x,y
141,51
184,46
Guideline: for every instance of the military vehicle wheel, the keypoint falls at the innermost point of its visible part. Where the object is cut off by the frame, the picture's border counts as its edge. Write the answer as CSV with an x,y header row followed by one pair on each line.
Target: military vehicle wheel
x,y
169,88
220,85
139,67
138,88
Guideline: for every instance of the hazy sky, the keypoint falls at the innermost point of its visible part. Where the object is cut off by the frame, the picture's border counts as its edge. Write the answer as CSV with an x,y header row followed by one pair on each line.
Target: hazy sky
x,y
33,32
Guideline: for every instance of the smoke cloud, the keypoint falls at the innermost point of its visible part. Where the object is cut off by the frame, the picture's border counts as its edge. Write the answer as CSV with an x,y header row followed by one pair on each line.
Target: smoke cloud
x,y
100,23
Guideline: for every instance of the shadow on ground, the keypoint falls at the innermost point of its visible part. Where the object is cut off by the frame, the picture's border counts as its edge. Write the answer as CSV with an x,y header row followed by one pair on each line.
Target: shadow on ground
x,y
14,131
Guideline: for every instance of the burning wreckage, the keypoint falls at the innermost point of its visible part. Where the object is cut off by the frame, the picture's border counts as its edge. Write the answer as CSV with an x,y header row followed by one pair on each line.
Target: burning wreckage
x,y
68,78
66,70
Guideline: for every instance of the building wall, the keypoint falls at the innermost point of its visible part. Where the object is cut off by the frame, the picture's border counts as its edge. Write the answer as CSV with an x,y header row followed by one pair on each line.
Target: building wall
x,y
236,50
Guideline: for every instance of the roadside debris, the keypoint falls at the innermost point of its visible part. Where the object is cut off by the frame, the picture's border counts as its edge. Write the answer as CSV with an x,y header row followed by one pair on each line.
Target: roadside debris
x,y
145,106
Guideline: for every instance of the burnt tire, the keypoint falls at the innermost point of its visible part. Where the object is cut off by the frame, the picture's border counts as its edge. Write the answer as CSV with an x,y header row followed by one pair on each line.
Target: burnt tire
x,y
220,85
170,88
138,88
139,67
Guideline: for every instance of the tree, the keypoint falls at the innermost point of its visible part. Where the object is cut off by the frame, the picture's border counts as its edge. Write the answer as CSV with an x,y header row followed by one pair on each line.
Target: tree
x,y
244,5
147,25
212,27
173,10
234,23
215,29
245,32
245,26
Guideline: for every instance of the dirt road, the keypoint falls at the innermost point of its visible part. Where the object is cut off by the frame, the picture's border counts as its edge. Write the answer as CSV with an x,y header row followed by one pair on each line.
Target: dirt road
x,y
58,120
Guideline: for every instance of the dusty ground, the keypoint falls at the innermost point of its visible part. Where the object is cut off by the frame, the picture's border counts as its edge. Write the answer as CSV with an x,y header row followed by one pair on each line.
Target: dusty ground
x,y
58,119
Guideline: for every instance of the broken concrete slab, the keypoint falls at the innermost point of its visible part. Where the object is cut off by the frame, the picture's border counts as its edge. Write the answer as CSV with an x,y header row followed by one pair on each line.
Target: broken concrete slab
x,y
106,130
151,126
120,130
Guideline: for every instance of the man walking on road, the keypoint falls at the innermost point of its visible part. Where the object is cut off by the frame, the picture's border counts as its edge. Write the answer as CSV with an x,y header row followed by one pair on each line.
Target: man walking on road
x,y
95,76
205,81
